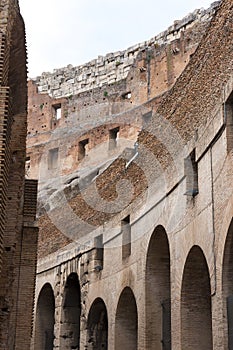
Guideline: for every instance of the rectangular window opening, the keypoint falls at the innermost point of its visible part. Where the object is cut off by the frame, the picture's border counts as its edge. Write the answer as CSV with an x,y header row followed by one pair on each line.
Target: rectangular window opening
x,y
82,149
53,158
127,95
113,136
27,166
99,253
191,173
126,237
147,117
57,111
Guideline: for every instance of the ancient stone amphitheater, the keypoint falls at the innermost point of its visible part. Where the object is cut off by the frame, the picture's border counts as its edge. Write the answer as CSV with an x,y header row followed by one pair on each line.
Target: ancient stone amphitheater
x,y
133,153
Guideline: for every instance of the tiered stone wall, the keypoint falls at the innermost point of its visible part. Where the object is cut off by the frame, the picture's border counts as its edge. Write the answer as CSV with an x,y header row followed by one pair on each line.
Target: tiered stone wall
x,y
145,71
178,237
113,67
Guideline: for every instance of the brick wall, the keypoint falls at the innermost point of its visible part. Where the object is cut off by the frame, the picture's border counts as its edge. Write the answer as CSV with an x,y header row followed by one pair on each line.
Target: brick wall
x,y
181,244
18,233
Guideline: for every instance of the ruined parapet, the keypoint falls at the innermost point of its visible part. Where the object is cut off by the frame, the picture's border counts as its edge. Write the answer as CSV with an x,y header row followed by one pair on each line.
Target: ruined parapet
x,y
114,67
192,282
79,100
76,143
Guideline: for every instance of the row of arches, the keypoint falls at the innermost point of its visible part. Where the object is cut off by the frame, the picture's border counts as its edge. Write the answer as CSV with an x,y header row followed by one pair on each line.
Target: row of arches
x,y
196,317
195,306
70,316
97,334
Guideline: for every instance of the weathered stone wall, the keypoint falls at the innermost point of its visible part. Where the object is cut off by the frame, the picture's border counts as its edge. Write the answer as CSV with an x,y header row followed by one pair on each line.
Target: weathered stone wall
x,y
115,66
181,238
17,224
90,112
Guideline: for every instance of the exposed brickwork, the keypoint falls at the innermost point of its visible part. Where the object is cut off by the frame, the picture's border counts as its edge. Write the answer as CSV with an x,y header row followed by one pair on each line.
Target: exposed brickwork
x,y
182,36
174,289
96,107
18,233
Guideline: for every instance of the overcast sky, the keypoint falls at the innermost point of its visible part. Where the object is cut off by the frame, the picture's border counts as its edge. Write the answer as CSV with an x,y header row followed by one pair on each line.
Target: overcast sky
x,y
62,32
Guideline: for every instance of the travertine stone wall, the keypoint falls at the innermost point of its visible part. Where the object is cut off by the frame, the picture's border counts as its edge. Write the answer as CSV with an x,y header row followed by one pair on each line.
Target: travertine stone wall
x,y
91,111
181,243
113,67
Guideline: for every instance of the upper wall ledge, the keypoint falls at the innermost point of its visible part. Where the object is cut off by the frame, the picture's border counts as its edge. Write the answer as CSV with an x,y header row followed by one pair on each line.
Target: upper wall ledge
x,y
113,67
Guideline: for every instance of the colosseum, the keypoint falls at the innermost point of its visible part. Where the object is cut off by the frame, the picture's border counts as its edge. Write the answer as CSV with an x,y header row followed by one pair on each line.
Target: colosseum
x,y
133,154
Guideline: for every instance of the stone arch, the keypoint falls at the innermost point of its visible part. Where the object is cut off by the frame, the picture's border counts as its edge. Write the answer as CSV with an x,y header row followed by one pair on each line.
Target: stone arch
x,y
70,315
97,326
196,313
158,292
126,324
227,286
44,322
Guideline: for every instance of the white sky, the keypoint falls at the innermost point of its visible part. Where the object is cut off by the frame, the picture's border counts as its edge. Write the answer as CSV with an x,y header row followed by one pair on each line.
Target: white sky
x,y
62,32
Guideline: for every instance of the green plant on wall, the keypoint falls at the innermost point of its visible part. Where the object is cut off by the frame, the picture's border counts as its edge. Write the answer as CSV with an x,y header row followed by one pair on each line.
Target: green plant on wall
x,y
41,106
105,93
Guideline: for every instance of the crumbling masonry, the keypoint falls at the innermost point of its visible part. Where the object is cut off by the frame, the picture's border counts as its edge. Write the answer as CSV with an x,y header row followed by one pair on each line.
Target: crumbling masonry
x,y
133,152
18,232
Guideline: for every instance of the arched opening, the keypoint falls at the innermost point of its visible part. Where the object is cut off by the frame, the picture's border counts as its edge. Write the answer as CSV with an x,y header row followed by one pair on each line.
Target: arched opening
x,y
71,310
97,326
227,280
126,326
196,315
158,293
44,325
